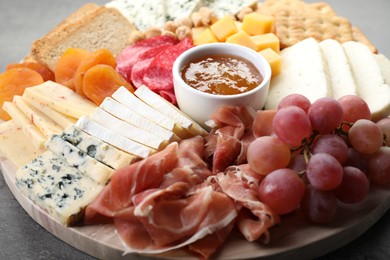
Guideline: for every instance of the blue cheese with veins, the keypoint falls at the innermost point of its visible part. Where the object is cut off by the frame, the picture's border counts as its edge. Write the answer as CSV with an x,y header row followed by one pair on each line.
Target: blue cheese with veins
x,y
222,8
143,14
178,9
96,148
57,187
87,165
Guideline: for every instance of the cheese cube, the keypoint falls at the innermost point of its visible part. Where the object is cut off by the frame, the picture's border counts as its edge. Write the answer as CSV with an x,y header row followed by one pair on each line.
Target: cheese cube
x,y
267,40
256,23
242,38
238,25
224,27
197,31
274,60
207,36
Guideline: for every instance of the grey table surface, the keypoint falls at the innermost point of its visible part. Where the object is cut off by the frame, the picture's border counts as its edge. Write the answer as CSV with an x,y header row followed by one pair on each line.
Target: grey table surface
x,y
22,21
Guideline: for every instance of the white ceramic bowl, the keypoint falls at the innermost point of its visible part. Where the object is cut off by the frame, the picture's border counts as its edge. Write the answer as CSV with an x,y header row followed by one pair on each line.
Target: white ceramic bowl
x,y
200,105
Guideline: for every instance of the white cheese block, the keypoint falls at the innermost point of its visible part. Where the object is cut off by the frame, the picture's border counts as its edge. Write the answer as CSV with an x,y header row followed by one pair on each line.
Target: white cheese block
x,y
339,71
384,64
222,7
97,171
57,187
60,98
122,112
371,85
111,137
127,130
303,72
29,129
63,120
47,126
179,9
96,148
128,99
15,145
160,104
142,13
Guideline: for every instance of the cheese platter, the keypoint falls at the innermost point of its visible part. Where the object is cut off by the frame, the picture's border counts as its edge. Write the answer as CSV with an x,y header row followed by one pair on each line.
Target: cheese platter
x,y
102,241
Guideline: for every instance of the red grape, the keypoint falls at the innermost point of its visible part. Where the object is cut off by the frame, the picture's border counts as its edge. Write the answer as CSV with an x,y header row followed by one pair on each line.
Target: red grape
x,y
357,160
379,167
295,100
354,186
331,144
324,172
282,190
326,114
384,124
365,136
354,108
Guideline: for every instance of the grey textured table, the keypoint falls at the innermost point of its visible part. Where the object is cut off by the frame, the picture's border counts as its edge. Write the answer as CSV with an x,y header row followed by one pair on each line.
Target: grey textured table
x,y
22,21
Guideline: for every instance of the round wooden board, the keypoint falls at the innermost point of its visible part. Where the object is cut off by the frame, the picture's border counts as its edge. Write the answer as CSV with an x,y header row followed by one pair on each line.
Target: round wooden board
x,y
293,238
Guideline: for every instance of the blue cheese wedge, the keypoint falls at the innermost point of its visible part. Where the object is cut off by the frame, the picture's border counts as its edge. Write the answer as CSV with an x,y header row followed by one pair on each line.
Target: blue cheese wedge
x,y
111,137
57,187
127,130
96,148
178,9
122,112
87,165
222,8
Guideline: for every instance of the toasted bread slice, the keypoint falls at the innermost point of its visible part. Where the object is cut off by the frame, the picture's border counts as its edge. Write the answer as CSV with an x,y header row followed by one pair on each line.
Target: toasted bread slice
x,y
101,28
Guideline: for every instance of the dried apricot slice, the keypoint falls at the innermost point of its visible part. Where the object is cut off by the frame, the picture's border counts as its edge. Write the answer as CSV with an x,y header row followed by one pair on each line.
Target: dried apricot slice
x,y
66,66
43,70
102,81
14,82
101,56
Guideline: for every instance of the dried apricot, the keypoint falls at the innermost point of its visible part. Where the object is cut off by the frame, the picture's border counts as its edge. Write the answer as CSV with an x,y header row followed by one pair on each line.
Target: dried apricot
x,y
102,81
101,56
43,70
66,66
14,82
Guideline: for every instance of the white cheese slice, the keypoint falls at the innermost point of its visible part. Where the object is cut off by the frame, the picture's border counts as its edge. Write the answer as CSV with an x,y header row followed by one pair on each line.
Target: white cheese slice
x,y
111,137
36,136
47,126
128,99
122,112
127,130
96,148
371,85
63,120
160,104
97,171
60,98
339,71
384,64
57,187
303,72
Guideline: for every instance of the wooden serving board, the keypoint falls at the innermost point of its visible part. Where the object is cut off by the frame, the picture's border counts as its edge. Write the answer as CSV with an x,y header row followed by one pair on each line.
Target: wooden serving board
x,y
293,238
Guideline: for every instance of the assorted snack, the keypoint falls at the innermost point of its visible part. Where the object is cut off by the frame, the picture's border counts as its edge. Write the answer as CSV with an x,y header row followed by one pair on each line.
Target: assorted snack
x,y
101,140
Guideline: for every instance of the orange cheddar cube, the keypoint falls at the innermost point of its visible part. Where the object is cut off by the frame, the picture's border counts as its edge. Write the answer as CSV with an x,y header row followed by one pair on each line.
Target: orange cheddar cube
x,y
238,25
242,38
207,36
197,31
223,28
267,40
274,60
256,23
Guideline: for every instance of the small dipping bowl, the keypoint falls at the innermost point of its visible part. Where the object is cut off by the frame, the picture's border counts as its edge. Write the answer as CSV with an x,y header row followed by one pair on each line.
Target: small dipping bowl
x,y
200,105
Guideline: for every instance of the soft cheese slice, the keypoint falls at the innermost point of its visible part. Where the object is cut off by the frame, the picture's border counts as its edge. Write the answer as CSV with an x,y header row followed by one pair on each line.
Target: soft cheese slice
x,y
122,112
60,98
339,70
33,133
384,64
303,72
127,130
371,85
63,120
128,99
96,148
54,185
47,126
111,137
87,165
160,104
15,145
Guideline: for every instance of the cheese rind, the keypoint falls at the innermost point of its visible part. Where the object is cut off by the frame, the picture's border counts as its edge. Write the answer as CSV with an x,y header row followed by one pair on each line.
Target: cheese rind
x,y
57,187
96,148
97,171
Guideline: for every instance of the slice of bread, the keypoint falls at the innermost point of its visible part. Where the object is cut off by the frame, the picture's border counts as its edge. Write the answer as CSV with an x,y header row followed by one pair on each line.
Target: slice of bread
x,y
93,29
339,71
303,72
371,85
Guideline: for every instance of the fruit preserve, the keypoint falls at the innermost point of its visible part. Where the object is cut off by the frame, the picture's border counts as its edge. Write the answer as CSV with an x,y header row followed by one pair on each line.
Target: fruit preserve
x,y
221,74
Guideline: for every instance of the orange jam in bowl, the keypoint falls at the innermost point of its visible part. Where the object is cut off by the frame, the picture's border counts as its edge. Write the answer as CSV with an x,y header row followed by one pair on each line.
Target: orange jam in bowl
x,y
221,74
